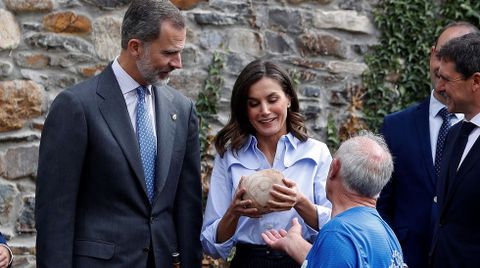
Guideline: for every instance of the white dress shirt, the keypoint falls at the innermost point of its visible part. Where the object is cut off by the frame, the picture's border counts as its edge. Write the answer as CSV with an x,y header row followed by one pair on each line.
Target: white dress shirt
x,y
128,86
472,137
435,122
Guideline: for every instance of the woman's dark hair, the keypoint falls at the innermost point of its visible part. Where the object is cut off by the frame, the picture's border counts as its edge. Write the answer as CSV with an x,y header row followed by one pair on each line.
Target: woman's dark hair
x,y
237,130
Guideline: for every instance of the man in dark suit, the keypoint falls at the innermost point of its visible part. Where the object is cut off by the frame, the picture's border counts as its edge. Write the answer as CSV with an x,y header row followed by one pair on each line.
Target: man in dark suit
x,y
119,166
456,241
6,256
408,202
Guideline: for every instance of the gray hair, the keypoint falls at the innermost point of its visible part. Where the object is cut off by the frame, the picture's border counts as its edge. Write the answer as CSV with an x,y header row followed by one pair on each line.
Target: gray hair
x,y
464,51
365,164
144,18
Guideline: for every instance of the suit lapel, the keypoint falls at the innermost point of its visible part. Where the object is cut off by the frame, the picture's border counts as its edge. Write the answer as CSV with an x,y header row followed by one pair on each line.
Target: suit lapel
x,y
166,115
114,110
469,162
447,175
423,135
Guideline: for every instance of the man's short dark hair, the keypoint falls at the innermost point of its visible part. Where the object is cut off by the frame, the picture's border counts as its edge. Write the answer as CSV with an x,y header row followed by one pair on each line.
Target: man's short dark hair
x,y
464,51
143,20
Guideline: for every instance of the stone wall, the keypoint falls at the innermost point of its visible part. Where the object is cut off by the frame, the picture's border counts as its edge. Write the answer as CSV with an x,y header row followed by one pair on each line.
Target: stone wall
x,y
48,45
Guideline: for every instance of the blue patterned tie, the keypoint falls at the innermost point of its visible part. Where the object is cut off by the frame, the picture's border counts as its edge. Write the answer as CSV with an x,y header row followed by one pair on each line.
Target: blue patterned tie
x,y
442,134
147,142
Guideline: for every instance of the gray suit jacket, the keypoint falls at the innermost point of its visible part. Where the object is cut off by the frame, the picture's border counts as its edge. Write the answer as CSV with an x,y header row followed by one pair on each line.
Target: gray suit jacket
x,y
92,208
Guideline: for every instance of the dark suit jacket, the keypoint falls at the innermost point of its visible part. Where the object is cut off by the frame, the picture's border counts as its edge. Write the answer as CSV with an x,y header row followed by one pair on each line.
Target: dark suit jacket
x,y
92,208
456,242
406,201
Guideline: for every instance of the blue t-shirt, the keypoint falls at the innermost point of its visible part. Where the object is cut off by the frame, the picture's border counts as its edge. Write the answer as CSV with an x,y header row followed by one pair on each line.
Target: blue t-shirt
x,y
357,237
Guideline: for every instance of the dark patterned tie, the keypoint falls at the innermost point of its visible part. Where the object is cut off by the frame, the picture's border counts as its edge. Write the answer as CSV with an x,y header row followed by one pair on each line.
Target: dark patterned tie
x,y
442,134
147,142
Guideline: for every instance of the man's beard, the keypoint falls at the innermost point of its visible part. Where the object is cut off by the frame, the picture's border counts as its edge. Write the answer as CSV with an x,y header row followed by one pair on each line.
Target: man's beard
x,y
148,72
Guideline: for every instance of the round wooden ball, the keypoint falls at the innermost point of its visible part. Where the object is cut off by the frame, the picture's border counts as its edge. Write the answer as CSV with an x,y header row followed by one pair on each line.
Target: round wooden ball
x,y
258,186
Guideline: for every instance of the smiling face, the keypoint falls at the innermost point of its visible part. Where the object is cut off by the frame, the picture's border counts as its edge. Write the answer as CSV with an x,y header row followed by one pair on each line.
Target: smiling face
x,y
267,108
445,36
161,56
456,88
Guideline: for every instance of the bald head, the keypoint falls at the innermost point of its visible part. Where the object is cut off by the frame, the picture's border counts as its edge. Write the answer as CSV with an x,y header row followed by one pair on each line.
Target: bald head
x,y
366,164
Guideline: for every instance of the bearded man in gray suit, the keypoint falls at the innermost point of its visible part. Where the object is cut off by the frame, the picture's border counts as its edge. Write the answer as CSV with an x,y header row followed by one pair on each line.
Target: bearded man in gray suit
x,y
119,167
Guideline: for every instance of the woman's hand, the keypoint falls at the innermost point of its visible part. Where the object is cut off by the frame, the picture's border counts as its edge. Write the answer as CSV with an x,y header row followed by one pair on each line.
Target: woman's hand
x,y
284,197
240,207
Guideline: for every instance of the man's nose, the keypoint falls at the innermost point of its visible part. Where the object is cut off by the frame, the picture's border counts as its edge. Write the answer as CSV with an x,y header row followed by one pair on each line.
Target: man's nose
x,y
176,61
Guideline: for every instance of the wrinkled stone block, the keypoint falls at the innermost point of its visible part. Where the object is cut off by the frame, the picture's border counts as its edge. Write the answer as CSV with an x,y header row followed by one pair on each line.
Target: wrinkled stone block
x,y
32,60
311,112
29,5
20,162
67,22
354,68
107,37
245,41
50,80
6,68
211,39
214,18
185,4
70,59
8,194
346,20
20,100
189,83
285,20
311,91
279,43
108,4
24,261
52,41
26,221
322,2
9,31
322,44
88,71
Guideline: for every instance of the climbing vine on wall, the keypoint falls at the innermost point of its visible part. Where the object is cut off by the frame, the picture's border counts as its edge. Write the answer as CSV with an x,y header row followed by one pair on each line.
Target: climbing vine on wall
x,y
398,67
206,106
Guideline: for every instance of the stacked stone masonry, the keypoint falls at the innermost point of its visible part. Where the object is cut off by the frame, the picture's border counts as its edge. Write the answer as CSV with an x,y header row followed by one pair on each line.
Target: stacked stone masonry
x,y
49,45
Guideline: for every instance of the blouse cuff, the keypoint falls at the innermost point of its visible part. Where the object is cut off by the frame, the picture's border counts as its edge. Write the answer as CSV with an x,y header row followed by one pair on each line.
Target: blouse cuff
x,y
11,254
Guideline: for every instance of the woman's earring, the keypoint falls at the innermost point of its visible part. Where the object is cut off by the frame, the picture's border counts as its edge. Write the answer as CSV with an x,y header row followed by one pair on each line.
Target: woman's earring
x,y
288,106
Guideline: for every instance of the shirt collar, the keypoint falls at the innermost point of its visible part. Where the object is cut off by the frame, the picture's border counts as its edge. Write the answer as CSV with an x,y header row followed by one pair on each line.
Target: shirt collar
x,y
125,81
475,120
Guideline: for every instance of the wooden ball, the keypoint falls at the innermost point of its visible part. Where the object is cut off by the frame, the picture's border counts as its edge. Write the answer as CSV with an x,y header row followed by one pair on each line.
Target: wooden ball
x,y
258,186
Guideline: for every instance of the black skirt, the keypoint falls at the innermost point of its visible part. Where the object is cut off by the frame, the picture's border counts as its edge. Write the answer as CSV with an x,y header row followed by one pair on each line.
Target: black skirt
x,y
261,256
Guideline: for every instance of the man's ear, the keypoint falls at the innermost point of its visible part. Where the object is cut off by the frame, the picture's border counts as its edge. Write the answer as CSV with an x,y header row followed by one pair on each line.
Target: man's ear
x,y
433,50
476,82
135,47
334,169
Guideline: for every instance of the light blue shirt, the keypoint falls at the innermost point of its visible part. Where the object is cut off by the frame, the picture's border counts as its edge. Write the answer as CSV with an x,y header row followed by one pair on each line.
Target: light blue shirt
x,y
307,163
128,86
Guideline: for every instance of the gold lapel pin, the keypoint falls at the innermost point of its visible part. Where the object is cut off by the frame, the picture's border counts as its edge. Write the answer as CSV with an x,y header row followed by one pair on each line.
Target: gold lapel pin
x,y
174,117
